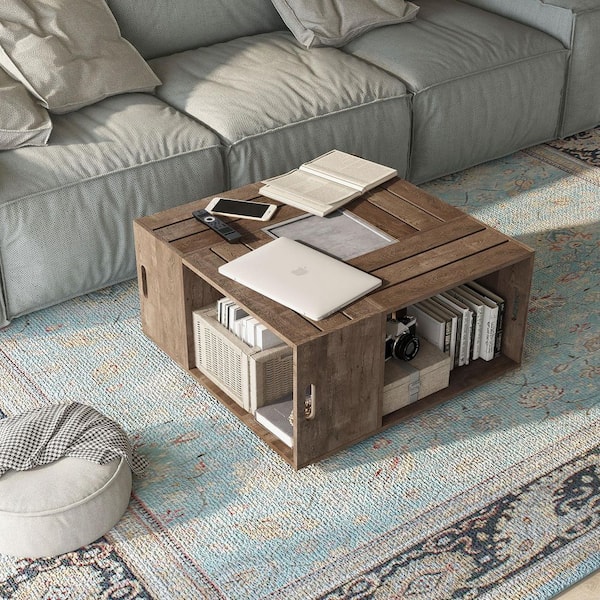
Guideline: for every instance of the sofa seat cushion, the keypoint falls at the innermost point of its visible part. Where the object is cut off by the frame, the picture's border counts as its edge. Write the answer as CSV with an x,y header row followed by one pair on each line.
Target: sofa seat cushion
x,y
66,209
471,73
59,507
276,104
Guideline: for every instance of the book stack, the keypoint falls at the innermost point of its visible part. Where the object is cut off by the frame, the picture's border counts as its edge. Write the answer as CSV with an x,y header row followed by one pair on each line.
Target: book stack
x,y
326,183
466,322
245,327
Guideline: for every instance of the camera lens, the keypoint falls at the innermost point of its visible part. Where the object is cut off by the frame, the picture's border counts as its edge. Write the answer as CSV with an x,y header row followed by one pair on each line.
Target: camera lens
x,y
405,347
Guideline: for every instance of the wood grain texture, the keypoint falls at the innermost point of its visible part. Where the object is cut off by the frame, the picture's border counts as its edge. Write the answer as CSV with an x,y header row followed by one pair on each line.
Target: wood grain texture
x,y
338,359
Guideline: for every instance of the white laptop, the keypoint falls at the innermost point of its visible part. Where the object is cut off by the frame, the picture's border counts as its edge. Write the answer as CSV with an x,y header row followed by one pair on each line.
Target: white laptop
x,y
301,278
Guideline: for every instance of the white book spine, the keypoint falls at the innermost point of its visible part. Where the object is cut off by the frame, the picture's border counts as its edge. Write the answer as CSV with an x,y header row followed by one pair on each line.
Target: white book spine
x,y
499,301
455,331
466,325
477,309
264,338
433,330
488,333
460,353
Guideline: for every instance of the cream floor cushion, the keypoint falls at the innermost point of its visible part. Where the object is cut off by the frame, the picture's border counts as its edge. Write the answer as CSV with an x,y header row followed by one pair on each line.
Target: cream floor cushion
x,y
61,506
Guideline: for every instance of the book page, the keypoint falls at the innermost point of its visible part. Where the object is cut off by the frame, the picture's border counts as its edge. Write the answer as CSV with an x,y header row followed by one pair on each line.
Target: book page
x,y
351,170
311,188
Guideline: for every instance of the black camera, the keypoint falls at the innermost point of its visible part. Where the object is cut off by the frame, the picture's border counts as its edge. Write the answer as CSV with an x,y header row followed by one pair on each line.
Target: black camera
x,y
401,341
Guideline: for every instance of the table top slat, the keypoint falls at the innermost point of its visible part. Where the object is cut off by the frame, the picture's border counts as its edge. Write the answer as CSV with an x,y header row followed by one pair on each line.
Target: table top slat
x,y
444,233
435,258
417,288
413,215
419,197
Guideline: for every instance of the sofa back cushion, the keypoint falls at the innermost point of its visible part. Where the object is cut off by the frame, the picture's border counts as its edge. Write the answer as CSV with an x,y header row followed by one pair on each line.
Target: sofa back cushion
x,y
23,122
159,27
69,53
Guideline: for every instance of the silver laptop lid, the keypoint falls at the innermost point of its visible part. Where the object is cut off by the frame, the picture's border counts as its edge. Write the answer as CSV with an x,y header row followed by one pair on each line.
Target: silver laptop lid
x,y
301,278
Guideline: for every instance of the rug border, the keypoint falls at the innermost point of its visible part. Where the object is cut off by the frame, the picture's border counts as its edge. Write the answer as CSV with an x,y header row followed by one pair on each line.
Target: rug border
x,y
382,548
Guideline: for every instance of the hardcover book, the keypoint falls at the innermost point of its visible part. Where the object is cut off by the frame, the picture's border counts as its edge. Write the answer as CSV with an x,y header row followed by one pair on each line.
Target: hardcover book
x,y
489,295
488,326
476,307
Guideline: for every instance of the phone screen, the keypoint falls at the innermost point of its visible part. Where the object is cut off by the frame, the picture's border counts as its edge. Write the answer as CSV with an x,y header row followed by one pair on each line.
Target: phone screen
x,y
237,207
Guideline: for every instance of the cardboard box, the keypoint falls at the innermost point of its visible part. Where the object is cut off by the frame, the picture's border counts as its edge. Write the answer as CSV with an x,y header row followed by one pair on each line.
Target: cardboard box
x,y
406,382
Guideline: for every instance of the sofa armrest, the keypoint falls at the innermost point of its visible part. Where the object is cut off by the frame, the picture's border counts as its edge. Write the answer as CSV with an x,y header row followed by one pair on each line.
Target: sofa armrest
x,y
576,24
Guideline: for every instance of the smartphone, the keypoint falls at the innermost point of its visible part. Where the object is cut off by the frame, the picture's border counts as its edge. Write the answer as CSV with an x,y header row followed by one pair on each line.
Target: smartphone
x,y
259,211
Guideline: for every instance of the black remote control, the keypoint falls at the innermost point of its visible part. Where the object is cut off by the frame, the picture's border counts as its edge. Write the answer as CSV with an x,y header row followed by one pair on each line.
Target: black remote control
x,y
224,230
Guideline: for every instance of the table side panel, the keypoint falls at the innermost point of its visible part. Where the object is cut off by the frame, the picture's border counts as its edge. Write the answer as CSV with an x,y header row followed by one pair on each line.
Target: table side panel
x,y
162,295
513,283
344,369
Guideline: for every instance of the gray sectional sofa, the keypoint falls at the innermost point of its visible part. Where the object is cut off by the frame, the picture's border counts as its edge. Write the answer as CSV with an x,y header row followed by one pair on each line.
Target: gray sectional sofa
x,y
241,100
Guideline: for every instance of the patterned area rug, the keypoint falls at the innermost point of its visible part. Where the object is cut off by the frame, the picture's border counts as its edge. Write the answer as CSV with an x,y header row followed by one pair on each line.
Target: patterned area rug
x,y
495,494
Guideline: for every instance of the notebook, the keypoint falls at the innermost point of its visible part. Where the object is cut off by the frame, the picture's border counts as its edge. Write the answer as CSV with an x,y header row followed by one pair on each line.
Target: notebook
x,y
300,277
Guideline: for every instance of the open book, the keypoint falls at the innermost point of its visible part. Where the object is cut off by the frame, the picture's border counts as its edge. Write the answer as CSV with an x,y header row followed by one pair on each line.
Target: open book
x,y
327,182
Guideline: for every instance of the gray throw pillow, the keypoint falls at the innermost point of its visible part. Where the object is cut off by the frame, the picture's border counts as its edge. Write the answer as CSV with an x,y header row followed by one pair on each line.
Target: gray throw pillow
x,y
69,53
23,122
336,22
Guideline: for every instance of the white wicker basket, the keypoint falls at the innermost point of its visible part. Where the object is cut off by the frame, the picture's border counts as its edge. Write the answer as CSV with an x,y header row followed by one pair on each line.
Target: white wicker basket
x,y
251,376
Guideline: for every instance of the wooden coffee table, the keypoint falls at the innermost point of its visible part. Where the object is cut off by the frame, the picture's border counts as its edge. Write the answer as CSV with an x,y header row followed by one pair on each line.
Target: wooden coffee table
x,y
339,359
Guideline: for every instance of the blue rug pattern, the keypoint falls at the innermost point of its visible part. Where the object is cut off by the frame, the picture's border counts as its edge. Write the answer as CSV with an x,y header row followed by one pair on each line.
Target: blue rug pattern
x,y
494,494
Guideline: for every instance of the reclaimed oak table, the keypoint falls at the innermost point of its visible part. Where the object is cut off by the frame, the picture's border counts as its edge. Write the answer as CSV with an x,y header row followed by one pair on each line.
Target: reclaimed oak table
x,y
339,360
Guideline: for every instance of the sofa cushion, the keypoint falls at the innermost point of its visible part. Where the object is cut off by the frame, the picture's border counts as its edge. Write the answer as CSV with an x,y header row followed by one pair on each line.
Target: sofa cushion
x,y
23,122
471,73
66,210
336,22
305,103
158,28
69,53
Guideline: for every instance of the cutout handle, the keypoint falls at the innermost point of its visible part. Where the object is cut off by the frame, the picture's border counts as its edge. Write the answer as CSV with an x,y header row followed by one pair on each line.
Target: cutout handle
x,y
144,278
